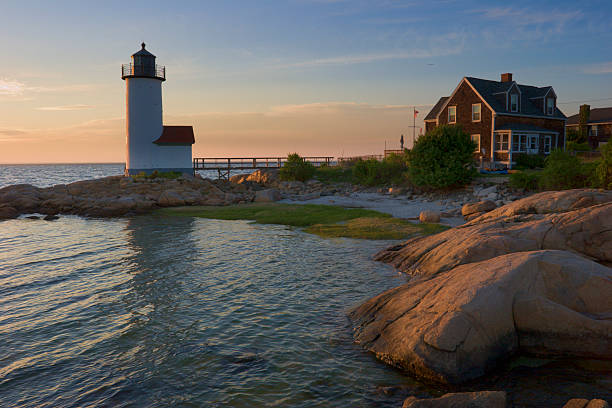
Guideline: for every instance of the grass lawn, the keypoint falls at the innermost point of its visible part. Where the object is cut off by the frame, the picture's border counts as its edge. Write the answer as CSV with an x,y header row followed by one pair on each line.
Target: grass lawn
x,y
323,220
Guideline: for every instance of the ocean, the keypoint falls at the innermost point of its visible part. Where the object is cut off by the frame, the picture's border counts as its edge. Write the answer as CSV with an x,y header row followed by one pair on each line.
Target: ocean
x,y
161,311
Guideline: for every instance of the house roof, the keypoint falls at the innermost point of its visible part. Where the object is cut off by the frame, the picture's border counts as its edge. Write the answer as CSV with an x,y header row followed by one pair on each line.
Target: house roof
x,y
176,135
523,127
488,90
433,113
598,115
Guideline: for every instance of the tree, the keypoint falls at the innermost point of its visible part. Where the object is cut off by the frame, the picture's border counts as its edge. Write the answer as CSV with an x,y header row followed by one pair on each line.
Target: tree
x,y
585,114
443,157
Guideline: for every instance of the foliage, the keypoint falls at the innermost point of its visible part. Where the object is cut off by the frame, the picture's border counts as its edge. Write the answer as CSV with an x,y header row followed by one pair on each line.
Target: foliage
x,y
273,213
374,228
443,157
603,171
334,174
563,171
156,174
373,172
529,161
575,146
584,115
524,180
573,135
296,169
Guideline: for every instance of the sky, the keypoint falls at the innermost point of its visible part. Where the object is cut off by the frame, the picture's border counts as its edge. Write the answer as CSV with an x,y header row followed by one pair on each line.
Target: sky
x,y
266,78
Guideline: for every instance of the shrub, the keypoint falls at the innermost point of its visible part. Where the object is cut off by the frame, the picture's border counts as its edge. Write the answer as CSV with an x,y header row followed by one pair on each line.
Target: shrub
x,y
603,171
529,161
372,172
575,146
563,171
443,157
296,169
524,180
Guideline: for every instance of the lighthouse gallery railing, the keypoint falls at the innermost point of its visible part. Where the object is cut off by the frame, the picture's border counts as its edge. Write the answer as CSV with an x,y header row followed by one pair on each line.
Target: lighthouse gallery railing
x,y
139,70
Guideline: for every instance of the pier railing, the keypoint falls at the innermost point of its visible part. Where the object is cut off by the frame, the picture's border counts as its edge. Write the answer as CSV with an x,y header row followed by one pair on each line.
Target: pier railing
x,y
224,165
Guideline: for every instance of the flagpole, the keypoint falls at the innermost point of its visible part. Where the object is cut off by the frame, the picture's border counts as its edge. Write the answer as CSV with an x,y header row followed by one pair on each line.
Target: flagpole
x,y
413,124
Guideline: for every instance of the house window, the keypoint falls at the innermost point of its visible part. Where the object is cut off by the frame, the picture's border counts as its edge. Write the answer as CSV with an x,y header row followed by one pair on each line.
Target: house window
x,y
501,142
533,142
519,142
476,139
513,102
476,112
452,114
547,144
594,130
550,106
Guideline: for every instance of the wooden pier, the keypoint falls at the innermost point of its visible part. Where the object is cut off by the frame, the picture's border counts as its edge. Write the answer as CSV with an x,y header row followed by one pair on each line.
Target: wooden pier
x,y
224,165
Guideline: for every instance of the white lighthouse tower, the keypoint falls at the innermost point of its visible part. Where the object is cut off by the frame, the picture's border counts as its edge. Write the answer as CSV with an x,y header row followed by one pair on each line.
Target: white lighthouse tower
x,y
151,145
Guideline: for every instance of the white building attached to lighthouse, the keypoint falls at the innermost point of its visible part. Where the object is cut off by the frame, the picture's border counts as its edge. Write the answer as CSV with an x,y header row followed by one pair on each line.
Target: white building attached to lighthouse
x,y
150,145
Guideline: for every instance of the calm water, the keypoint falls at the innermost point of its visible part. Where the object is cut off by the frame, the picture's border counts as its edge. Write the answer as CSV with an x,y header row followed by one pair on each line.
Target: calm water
x,y
164,311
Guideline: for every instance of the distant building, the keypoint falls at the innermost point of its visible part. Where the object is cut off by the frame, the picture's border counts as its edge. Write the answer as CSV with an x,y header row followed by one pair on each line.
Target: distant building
x,y
151,145
503,117
599,126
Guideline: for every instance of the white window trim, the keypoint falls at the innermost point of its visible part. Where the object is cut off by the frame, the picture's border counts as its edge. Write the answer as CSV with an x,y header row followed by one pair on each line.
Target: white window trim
x,y
553,106
479,112
477,150
501,143
549,137
594,131
517,102
449,115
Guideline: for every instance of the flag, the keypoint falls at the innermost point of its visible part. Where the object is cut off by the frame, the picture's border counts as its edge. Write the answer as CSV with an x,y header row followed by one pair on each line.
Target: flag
x,y
416,112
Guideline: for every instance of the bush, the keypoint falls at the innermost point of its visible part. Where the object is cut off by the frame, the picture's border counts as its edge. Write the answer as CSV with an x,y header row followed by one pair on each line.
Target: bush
x,y
529,161
296,169
443,157
524,180
603,171
563,171
575,146
372,172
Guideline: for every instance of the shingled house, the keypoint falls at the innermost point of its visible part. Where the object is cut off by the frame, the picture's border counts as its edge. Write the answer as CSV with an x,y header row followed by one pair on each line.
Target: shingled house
x,y
503,117
599,126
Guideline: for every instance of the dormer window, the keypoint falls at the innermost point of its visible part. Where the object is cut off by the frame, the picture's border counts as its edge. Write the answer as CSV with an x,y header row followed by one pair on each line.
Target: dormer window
x,y
513,102
452,114
550,106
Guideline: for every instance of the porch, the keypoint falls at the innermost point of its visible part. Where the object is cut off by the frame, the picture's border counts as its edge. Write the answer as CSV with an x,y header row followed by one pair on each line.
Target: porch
x,y
509,142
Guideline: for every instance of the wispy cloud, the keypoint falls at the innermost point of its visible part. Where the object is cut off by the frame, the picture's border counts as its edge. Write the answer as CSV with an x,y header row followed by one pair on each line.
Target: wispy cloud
x,y
66,107
523,17
11,87
601,68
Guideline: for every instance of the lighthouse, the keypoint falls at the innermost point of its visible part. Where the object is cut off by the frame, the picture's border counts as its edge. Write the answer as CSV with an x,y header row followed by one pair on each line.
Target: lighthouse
x,y
151,146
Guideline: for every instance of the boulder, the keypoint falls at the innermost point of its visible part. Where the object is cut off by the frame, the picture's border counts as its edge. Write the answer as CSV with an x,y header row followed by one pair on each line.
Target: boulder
x,y
459,324
429,216
587,231
486,191
478,207
50,217
7,212
263,176
170,198
482,399
267,196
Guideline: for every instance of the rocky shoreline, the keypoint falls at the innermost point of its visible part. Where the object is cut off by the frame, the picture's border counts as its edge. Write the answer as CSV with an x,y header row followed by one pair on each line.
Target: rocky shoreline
x,y
531,278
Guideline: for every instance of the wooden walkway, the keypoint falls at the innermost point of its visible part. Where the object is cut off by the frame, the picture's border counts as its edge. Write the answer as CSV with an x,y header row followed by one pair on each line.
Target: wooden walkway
x,y
224,165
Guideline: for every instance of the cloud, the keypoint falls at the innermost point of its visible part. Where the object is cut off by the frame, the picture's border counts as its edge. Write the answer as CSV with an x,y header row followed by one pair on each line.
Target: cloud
x,y
66,107
601,68
11,87
333,108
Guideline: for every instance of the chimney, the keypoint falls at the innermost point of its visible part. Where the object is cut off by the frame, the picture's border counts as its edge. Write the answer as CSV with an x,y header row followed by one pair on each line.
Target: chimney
x,y
507,77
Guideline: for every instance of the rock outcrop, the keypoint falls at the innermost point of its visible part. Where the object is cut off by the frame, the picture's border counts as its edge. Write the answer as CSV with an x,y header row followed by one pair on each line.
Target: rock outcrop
x,y
587,231
530,277
117,196
459,324
429,216
482,399
584,403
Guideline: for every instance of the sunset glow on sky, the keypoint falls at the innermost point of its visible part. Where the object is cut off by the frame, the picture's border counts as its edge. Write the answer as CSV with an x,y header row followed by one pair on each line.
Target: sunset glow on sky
x,y
319,77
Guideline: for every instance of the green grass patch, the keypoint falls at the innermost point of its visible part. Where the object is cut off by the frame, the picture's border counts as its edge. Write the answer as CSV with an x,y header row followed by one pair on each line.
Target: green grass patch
x,y
374,228
285,214
324,220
